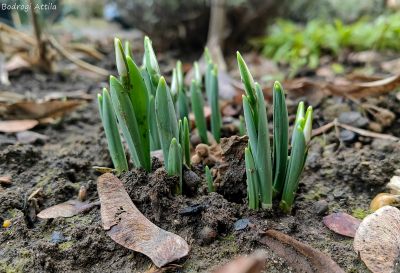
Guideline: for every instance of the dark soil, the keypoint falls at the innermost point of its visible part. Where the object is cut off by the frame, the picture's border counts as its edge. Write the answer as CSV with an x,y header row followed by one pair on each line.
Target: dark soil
x,y
346,176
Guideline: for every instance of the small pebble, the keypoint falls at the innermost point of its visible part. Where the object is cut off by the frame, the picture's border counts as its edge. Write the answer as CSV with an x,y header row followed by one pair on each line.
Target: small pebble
x,y
241,224
347,136
353,119
375,127
207,235
82,195
5,180
192,210
321,207
57,237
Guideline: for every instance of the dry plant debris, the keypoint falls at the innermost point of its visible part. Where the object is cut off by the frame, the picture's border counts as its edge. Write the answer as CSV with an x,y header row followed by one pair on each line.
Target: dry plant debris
x,y
127,226
342,223
66,209
377,240
253,263
298,255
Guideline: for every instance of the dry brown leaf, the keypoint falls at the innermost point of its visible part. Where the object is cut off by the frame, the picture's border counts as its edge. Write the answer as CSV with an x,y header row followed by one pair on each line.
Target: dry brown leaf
x,y
377,240
342,223
127,226
244,264
66,209
300,256
41,110
14,126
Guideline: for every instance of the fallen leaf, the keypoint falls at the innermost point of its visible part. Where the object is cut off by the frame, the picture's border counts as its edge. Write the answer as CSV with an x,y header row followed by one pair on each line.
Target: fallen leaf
x,y
41,110
66,209
28,137
342,223
14,126
244,264
377,240
300,256
127,226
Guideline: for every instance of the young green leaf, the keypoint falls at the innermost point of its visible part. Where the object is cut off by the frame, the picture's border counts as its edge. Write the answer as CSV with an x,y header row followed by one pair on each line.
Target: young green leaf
x,y
127,120
175,162
151,61
295,168
308,124
210,180
166,118
216,121
281,139
263,158
112,133
198,111
128,49
185,143
247,79
252,180
197,74
139,98
154,135
120,58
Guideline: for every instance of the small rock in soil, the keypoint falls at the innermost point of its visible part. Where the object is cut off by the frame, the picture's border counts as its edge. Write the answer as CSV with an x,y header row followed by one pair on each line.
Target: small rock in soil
x,y
353,119
29,137
5,180
347,136
57,237
321,207
191,182
207,235
241,224
383,145
334,110
192,210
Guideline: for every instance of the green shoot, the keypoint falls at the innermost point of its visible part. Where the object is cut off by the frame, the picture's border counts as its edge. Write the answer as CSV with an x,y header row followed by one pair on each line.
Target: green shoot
x,y
182,101
175,162
212,92
198,110
281,129
242,126
210,180
261,172
111,130
166,118
184,140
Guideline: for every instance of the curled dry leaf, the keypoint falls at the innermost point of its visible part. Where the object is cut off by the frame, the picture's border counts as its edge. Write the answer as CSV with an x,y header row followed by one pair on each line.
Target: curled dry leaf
x,y
300,256
378,240
244,264
66,209
40,110
14,126
127,226
342,223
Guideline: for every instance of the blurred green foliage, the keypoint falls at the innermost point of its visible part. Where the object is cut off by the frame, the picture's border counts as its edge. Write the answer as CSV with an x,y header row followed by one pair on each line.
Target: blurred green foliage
x,y
303,45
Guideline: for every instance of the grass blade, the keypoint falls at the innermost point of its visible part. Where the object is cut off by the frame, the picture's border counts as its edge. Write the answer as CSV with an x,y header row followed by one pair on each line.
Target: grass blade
x,y
247,79
250,126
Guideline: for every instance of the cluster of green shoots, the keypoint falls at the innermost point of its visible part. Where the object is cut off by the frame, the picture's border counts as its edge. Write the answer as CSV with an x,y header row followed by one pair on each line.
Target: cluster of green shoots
x,y
272,173
141,105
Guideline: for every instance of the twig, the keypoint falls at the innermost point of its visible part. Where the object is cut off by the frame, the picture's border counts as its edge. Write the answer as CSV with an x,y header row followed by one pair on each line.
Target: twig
x,y
78,62
356,130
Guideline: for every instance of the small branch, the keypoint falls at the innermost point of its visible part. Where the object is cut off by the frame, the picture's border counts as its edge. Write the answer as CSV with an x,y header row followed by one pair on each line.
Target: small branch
x,y
78,62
